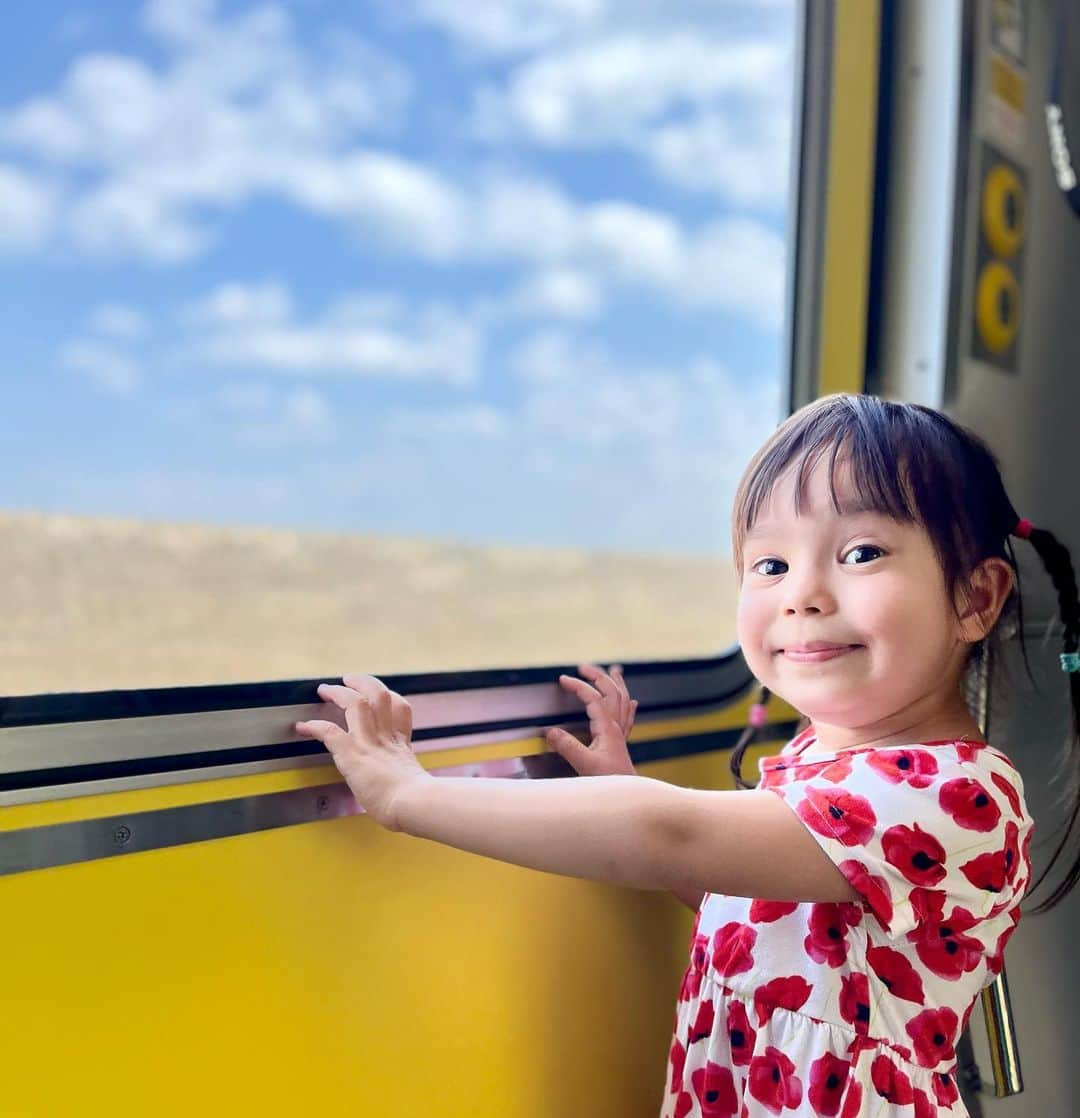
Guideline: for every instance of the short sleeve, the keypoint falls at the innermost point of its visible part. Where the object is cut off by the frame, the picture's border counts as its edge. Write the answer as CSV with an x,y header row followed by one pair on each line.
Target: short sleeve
x,y
917,830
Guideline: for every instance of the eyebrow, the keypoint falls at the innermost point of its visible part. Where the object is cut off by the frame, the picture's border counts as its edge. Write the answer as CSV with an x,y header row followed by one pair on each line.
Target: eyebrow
x,y
855,508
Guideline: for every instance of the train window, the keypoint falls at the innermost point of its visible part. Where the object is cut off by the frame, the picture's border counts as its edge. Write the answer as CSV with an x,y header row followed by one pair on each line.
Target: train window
x,y
411,335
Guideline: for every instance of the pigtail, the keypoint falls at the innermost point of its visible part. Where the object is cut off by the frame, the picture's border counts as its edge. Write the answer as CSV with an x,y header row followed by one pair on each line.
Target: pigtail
x,y
757,719
1056,559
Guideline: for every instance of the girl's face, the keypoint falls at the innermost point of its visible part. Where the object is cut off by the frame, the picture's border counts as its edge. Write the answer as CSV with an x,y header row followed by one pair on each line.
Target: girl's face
x,y
869,587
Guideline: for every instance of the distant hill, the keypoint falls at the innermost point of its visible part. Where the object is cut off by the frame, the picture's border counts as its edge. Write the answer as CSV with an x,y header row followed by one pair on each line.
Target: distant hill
x,y
93,604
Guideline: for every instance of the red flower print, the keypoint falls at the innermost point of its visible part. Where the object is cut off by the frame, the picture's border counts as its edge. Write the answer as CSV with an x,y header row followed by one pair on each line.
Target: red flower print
x,y
684,1104
912,766
970,805
852,1100
699,958
703,1024
732,948
828,1077
939,941
714,1087
827,941
773,1081
691,985
873,890
765,912
917,855
986,872
1008,790
834,771
932,1033
995,961
1011,852
890,1082
677,1059
896,973
855,1001
837,813
740,1035
924,1108
968,750
699,952
945,1090
782,993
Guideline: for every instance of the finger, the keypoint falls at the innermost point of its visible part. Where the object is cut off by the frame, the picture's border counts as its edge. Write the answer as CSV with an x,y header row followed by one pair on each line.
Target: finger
x,y
377,694
616,694
624,695
362,720
628,725
619,679
565,744
326,732
336,694
401,714
580,688
600,680
354,701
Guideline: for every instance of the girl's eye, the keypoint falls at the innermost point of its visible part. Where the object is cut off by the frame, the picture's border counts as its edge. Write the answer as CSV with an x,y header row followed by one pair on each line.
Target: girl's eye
x,y
761,563
863,547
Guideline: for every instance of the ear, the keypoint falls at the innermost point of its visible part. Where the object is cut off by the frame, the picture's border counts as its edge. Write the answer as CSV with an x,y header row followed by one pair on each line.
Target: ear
x,y
984,597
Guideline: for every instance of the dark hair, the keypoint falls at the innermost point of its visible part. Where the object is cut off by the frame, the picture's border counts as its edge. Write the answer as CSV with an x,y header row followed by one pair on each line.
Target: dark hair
x,y
917,465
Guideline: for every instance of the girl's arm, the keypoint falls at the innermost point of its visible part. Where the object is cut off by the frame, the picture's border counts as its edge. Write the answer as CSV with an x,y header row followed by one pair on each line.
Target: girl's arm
x,y
627,830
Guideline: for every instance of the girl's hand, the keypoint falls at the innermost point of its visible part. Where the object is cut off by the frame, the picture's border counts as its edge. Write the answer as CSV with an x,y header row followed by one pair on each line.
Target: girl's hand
x,y
611,715
373,755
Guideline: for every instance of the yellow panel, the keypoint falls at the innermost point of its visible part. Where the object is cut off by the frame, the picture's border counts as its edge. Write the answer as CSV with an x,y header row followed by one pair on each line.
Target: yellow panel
x,y
852,135
334,967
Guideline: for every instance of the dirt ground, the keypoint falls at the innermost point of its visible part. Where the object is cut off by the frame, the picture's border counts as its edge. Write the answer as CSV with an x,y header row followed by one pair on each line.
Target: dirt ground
x,y
95,604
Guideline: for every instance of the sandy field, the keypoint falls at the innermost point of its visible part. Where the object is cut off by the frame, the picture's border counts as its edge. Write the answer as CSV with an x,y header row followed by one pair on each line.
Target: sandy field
x,y
94,604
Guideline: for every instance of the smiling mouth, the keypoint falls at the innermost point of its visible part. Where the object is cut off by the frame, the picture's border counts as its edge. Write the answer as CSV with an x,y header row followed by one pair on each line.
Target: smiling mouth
x,y
816,655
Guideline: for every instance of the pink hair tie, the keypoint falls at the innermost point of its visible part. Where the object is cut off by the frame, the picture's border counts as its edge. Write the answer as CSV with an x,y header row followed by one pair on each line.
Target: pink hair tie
x,y
1023,528
758,715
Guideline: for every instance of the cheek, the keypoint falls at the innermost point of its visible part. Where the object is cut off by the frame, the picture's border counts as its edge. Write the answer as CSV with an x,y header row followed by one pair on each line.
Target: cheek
x,y
751,622
897,617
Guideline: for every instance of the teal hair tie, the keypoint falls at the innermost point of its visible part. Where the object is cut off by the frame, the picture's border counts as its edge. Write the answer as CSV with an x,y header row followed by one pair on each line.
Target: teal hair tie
x,y
1070,661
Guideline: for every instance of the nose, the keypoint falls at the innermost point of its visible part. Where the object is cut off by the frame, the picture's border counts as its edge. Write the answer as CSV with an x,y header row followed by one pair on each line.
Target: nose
x,y
807,591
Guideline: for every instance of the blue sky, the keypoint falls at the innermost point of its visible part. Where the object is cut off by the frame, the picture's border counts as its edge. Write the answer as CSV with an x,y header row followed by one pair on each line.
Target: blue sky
x,y
508,271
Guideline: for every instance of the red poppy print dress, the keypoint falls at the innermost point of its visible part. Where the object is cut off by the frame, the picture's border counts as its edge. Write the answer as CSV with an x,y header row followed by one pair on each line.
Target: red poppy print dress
x,y
853,1010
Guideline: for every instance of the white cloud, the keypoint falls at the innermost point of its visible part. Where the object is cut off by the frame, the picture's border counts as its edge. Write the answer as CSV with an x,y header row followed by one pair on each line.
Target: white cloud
x,y
117,321
606,90
253,327
708,111
735,264
507,26
239,304
514,27
239,109
27,209
106,366
558,293
237,106
742,157
182,21
392,199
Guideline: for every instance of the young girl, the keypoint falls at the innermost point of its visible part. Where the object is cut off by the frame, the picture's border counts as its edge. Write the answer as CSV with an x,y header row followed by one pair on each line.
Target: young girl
x,y
853,905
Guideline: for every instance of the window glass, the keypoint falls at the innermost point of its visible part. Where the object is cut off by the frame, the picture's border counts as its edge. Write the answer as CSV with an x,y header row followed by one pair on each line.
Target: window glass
x,y
405,335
